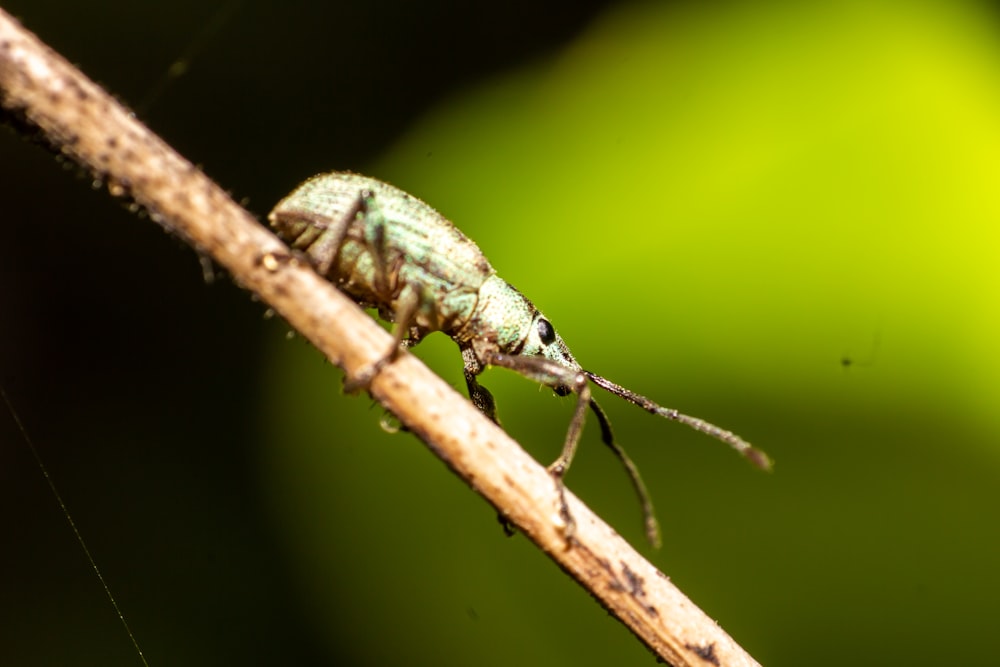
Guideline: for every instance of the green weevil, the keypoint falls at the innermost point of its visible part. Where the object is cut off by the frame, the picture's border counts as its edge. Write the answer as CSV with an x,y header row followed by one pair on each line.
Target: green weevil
x,y
390,251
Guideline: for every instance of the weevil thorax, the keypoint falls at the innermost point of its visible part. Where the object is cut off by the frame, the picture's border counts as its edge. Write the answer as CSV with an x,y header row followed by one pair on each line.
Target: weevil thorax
x,y
506,321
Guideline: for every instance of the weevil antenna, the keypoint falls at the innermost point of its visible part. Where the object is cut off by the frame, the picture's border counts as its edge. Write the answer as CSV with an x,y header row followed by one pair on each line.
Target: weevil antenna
x,y
751,453
608,438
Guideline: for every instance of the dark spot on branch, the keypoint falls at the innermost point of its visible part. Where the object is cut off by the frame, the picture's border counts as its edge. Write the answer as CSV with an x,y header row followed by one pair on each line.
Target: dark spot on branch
x,y
706,653
281,290
637,590
634,581
616,584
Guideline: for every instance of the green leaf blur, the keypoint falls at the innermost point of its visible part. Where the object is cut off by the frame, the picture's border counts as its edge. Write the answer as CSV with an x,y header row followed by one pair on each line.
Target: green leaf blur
x,y
781,218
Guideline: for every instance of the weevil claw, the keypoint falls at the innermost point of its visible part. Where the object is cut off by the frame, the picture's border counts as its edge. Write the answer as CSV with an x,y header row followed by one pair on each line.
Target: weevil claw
x,y
569,523
364,376
509,529
362,379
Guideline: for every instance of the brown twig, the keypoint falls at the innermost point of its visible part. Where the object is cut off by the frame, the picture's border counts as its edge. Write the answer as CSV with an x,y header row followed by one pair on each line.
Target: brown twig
x,y
84,123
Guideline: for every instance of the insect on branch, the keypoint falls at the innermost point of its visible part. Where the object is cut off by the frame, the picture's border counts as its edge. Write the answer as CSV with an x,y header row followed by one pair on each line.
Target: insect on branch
x,y
82,122
388,250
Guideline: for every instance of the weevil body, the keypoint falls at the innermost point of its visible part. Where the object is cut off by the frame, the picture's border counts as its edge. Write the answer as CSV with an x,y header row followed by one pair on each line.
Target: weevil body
x,y
391,251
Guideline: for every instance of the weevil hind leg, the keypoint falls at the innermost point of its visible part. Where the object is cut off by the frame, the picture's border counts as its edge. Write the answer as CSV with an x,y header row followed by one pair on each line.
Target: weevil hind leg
x,y
411,300
319,236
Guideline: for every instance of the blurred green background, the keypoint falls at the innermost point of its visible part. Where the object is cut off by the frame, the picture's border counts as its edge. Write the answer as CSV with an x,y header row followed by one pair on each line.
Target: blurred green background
x,y
779,217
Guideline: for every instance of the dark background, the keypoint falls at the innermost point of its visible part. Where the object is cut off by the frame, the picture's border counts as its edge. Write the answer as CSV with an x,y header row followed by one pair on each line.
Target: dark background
x,y
133,377
717,204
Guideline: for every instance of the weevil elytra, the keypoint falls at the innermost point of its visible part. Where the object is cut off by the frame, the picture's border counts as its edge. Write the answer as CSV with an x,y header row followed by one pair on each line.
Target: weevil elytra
x,y
390,251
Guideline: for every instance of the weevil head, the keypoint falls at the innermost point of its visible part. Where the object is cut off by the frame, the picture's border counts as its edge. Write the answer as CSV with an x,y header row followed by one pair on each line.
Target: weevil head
x,y
541,340
506,321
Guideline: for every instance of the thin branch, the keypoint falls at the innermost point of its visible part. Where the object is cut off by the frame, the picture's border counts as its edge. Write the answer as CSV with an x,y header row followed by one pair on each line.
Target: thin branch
x,y
75,116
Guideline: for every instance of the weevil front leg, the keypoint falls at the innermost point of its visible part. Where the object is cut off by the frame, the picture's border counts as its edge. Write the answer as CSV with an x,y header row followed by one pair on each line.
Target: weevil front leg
x,y
319,235
564,381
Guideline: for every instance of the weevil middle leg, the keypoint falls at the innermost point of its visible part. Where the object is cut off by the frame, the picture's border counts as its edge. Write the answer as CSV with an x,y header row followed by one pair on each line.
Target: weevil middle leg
x,y
410,299
565,381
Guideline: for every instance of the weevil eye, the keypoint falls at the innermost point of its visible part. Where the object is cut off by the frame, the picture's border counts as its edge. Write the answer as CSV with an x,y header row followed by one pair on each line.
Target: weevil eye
x,y
545,331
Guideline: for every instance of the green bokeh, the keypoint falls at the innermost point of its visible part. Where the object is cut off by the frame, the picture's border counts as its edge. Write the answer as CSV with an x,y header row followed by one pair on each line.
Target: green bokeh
x,y
716,208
